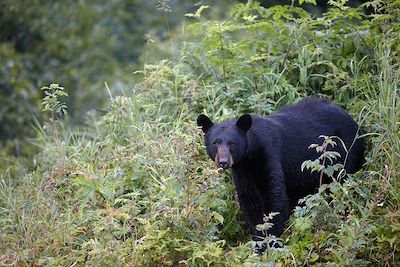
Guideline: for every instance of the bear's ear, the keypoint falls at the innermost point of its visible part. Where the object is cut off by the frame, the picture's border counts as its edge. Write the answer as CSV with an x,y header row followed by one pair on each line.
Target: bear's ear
x,y
244,122
204,122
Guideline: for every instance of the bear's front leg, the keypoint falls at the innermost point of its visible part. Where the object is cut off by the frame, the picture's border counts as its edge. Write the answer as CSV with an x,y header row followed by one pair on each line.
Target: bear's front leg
x,y
279,202
251,202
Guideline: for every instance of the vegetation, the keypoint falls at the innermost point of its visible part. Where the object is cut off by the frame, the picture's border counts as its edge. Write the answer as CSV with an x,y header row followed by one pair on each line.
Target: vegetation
x,y
80,45
133,186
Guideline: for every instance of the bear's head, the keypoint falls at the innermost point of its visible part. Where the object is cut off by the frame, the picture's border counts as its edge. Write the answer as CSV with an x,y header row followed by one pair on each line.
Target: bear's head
x,y
226,142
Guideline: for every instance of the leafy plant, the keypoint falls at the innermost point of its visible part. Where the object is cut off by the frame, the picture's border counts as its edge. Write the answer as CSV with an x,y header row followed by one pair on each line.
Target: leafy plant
x,y
51,103
267,241
321,164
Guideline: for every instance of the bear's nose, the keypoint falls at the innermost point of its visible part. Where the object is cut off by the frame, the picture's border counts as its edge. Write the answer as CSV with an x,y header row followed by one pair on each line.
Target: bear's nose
x,y
223,164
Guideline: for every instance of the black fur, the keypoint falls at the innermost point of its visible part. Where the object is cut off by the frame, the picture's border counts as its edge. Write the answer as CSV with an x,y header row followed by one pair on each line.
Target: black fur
x,y
266,153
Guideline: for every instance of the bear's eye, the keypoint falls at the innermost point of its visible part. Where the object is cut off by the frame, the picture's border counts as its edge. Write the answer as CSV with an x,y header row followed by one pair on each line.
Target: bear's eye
x,y
231,143
216,142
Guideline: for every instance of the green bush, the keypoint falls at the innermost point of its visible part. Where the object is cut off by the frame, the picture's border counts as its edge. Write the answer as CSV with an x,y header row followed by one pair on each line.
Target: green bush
x,y
81,45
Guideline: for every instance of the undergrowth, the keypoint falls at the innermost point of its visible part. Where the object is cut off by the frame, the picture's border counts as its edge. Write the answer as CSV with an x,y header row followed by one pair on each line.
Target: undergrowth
x,y
134,186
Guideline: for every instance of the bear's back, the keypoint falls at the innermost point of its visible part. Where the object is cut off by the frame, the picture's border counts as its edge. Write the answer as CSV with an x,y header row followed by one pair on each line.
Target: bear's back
x,y
290,131
314,112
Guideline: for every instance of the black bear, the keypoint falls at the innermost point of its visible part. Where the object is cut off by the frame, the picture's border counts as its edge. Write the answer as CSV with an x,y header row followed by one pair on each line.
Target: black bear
x,y
266,154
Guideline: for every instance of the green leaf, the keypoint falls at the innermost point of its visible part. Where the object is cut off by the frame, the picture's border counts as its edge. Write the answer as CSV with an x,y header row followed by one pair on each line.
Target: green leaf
x,y
302,224
218,217
198,12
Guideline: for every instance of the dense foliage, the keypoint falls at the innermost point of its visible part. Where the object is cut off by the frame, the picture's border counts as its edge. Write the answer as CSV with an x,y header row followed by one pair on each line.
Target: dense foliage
x,y
81,45
134,186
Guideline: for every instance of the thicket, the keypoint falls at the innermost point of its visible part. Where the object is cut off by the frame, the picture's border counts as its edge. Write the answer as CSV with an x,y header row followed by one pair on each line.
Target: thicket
x,y
134,186
81,45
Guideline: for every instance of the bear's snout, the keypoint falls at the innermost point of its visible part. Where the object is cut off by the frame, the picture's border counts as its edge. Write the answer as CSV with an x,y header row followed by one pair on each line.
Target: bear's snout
x,y
223,164
223,158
